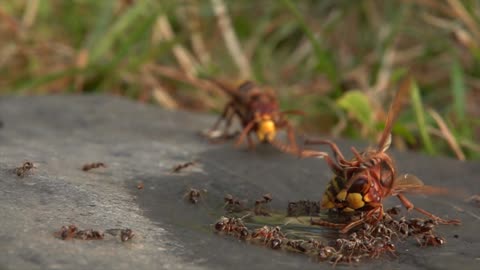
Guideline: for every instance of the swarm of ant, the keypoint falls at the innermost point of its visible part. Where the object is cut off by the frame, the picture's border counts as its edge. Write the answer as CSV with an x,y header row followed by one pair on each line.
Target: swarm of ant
x,y
369,241
72,232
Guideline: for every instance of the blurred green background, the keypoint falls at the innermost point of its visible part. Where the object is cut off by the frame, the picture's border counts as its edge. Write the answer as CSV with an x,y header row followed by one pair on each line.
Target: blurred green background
x,y
338,60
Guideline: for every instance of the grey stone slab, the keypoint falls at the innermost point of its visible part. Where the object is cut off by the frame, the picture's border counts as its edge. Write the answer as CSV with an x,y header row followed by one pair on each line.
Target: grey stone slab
x,y
141,143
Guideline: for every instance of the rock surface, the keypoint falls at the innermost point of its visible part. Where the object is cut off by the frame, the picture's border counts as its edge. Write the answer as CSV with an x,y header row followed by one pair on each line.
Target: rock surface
x,y
140,143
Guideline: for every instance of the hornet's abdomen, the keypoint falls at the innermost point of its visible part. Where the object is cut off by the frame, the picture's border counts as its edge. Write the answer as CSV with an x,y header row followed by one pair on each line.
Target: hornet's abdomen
x,y
360,196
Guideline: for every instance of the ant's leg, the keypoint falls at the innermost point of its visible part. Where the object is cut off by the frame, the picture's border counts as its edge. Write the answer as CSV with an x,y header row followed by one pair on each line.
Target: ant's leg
x,y
409,205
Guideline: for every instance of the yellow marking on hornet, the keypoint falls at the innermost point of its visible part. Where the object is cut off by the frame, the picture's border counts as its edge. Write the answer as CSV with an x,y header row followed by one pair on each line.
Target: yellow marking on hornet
x,y
266,129
327,203
348,209
335,185
355,200
329,194
342,195
368,197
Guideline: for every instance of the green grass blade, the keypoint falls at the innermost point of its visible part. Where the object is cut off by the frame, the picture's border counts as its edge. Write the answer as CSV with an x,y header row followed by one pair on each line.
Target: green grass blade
x,y
27,85
420,116
458,91
119,28
324,62
103,18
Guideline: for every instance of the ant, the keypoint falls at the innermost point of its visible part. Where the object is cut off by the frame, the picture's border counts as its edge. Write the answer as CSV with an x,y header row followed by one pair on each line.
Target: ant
x,y
297,245
88,167
233,204
67,232
194,195
259,205
232,225
125,234
178,168
273,236
429,239
26,167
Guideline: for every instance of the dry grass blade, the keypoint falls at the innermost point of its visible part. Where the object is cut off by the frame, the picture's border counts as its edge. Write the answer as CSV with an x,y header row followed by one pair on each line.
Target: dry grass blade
x,y
157,91
231,40
385,72
30,13
447,134
81,63
162,97
395,109
193,21
186,61
9,20
433,4
173,73
439,22
463,15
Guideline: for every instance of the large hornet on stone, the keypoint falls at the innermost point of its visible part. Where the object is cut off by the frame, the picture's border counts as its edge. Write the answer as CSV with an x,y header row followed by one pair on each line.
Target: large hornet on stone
x,y
259,114
359,185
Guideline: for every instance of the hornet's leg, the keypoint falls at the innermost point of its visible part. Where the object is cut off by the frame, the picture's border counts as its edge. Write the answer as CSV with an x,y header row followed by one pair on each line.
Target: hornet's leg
x,y
291,136
351,225
246,130
335,168
326,224
251,144
409,205
223,116
291,144
378,210
357,154
336,151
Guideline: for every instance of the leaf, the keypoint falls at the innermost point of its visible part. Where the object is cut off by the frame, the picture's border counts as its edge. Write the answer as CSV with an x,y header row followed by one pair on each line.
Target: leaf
x,y
356,103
